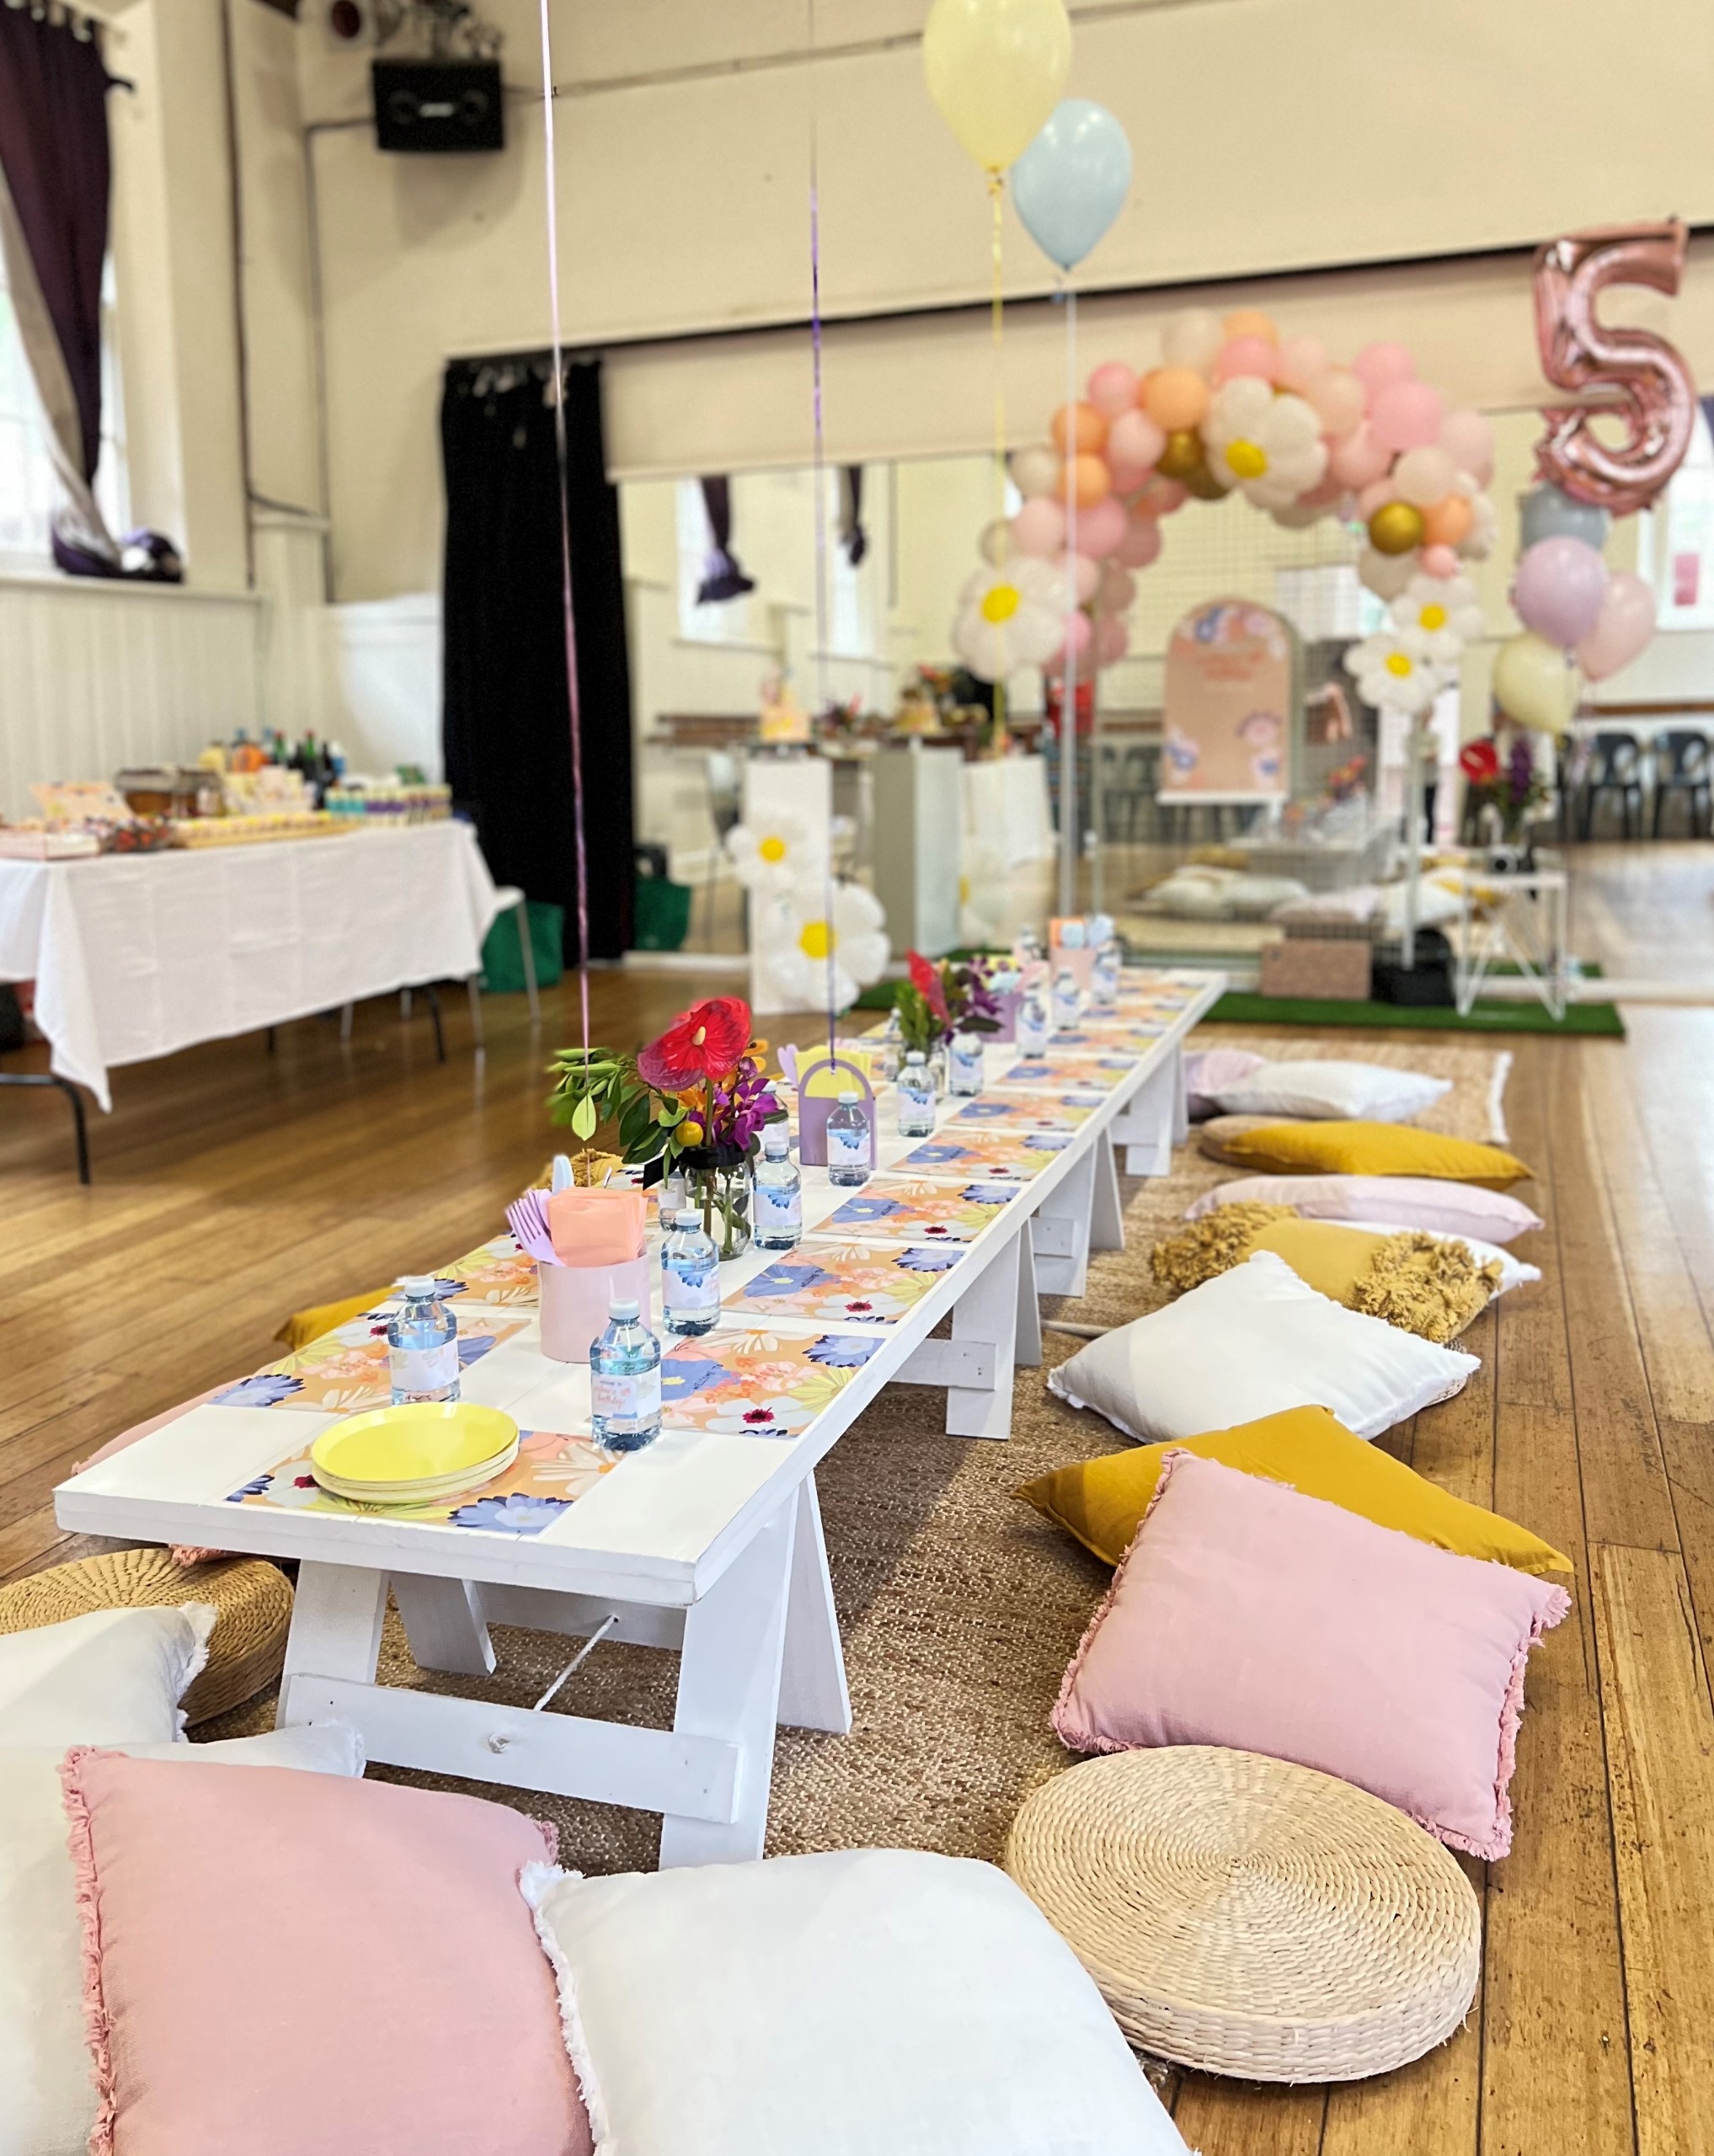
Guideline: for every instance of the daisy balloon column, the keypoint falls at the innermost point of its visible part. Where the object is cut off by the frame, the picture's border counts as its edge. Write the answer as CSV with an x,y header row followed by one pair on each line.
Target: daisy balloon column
x,y
779,849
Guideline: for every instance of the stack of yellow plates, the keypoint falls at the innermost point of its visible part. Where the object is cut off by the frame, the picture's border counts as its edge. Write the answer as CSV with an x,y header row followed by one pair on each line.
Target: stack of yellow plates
x,y
418,1454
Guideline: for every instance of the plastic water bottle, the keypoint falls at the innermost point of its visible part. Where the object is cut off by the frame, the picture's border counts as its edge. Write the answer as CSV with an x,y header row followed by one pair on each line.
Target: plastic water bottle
x,y
1033,1025
777,1201
851,1152
964,1065
916,1096
422,1346
892,1046
1103,980
690,1277
625,1381
1067,1001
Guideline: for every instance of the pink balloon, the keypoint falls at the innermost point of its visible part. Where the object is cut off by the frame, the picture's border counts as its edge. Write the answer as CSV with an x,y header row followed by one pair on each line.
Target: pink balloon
x,y
1406,415
1129,479
1113,639
1140,545
1340,401
1322,495
1469,440
1375,495
1377,364
1440,560
1359,460
1039,526
1084,574
1252,355
1119,588
1624,628
1160,497
1099,530
1112,390
1559,589
1082,635
1302,361
1134,440
1424,476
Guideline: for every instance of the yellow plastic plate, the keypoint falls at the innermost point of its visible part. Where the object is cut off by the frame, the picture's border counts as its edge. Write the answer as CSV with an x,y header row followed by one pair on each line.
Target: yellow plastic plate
x,y
427,1439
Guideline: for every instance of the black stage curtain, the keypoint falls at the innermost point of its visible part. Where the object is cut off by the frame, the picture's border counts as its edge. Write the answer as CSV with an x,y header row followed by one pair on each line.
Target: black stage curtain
x,y
505,721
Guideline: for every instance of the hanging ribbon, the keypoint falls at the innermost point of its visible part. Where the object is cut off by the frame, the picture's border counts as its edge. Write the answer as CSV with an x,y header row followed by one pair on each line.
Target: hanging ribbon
x,y
822,696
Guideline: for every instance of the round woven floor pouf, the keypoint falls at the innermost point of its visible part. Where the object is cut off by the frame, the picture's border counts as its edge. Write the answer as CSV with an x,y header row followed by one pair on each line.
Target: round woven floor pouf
x,y
1247,1917
253,1600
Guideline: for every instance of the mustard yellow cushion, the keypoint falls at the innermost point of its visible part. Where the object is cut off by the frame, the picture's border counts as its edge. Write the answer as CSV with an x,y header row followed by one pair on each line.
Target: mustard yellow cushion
x,y
1101,1502
1371,1149
304,1326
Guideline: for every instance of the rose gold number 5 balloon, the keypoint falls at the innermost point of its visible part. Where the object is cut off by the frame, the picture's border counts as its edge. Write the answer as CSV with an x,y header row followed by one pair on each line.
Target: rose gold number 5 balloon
x,y
1635,375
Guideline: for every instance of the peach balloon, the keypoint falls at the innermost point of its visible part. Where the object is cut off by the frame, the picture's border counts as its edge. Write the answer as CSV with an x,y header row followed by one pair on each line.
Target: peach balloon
x,y
1113,389
1085,422
1175,398
1359,459
1339,399
1375,495
1191,339
1440,560
1135,440
1140,545
1159,498
1424,476
1323,495
1038,528
1113,639
1250,322
1084,573
1100,529
1446,523
1246,355
1303,361
1127,479
1468,440
1377,364
1119,588
1088,480
1405,415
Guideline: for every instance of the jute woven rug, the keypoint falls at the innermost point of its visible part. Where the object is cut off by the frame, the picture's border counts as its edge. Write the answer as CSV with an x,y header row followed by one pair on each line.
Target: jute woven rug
x,y
960,1607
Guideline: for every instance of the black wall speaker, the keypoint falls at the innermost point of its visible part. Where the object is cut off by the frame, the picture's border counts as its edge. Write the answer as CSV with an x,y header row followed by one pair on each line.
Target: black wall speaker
x,y
428,106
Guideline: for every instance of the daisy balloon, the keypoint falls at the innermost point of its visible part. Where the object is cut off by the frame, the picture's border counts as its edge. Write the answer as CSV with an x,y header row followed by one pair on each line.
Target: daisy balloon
x,y
803,935
773,853
1271,447
1393,673
1010,618
1439,616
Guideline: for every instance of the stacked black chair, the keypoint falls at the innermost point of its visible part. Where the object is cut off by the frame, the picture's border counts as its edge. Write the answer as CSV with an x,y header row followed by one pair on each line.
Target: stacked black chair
x,y
1682,765
1616,766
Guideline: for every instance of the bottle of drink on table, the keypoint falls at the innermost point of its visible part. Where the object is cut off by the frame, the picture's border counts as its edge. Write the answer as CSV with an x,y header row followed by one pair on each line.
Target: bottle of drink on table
x,y
850,1147
422,1345
625,1381
1033,1025
965,1064
1067,1001
690,1277
777,1203
916,1096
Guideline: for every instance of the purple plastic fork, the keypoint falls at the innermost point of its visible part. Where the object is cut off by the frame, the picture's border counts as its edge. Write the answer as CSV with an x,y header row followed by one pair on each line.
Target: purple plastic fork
x,y
527,1219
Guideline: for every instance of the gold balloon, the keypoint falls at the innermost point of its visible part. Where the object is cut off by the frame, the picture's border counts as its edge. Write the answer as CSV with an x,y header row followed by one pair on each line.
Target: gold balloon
x,y
1182,455
1202,482
1395,528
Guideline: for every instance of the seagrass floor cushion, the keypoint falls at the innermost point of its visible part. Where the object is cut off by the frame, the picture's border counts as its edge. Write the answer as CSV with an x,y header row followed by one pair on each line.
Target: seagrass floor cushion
x,y
252,1601
1244,1916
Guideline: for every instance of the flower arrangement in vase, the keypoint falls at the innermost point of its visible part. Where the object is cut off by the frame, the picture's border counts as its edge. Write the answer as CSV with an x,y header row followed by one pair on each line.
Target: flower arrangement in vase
x,y
1511,788
692,1102
953,995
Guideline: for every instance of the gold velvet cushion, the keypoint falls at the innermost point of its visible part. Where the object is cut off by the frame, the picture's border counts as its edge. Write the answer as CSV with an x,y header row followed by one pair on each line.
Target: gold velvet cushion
x,y
1358,1149
1423,1284
1101,1502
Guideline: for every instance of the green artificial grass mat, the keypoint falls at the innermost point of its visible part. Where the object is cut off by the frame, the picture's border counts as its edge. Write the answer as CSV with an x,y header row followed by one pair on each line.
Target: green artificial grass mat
x,y
1599,1021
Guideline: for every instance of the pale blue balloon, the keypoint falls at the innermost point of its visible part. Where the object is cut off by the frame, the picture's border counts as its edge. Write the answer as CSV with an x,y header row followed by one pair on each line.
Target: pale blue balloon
x,y
1547,513
1072,181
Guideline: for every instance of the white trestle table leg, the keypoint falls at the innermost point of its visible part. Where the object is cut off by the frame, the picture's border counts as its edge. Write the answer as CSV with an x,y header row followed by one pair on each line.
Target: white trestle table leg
x,y
1181,1099
444,1624
1060,1232
813,1691
1106,1210
729,1689
1027,1347
336,1618
1147,1125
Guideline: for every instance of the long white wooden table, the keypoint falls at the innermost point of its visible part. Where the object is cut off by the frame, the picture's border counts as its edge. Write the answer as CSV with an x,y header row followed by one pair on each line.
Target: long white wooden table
x,y
708,1542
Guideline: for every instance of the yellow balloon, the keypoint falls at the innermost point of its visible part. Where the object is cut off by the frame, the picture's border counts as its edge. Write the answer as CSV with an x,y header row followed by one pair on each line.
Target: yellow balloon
x,y
1533,685
996,68
1395,528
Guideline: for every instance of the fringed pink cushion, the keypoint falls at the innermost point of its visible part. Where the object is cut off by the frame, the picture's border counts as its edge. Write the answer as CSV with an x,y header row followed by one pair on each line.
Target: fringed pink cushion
x,y
298,1965
1249,1615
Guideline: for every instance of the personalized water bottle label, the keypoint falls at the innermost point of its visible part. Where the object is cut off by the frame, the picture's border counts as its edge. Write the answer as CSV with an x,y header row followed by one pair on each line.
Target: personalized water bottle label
x,y
626,1398
966,1069
777,1208
423,1369
847,1149
692,1289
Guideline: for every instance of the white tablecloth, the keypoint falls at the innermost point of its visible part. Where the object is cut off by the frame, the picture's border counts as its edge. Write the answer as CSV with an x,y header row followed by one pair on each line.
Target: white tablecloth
x,y
1005,808
137,955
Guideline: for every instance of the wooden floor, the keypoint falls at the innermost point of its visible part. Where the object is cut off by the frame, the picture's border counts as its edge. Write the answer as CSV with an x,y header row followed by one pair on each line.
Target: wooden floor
x,y
232,1188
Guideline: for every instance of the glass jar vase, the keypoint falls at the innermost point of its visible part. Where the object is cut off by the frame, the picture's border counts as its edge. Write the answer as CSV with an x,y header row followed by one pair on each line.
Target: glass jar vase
x,y
717,1186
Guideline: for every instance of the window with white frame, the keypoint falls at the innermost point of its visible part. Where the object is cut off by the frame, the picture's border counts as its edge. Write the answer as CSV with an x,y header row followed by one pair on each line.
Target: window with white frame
x,y
721,620
1675,540
28,489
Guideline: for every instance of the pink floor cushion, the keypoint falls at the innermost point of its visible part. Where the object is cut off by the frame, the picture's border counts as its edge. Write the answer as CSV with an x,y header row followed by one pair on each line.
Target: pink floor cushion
x,y
300,1965
1247,1614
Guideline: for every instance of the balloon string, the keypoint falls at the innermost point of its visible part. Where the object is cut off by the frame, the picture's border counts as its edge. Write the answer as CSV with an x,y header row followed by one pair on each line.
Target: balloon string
x,y
1068,672
996,196
821,632
561,455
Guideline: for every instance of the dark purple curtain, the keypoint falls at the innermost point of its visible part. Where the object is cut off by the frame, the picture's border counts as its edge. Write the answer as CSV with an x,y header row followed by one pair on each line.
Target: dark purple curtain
x,y
53,151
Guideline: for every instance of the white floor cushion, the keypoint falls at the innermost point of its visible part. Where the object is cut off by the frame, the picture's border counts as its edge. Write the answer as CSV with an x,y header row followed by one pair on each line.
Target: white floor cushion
x,y
47,2097
113,1677
863,2003
1250,1342
1325,1089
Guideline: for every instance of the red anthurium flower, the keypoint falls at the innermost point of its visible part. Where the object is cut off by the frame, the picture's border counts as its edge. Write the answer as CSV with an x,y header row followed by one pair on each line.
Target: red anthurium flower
x,y
1480,762
702,1043
926,979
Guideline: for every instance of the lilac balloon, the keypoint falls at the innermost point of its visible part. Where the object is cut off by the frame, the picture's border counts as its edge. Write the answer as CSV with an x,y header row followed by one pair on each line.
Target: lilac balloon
x,y
1558,590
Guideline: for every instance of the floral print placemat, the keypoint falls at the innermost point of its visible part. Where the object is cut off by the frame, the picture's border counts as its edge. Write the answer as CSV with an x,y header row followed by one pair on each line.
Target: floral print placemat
x,y
757,1383
347,1370
835,1283
553,1470
894,1208
987,1155
1027,1109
